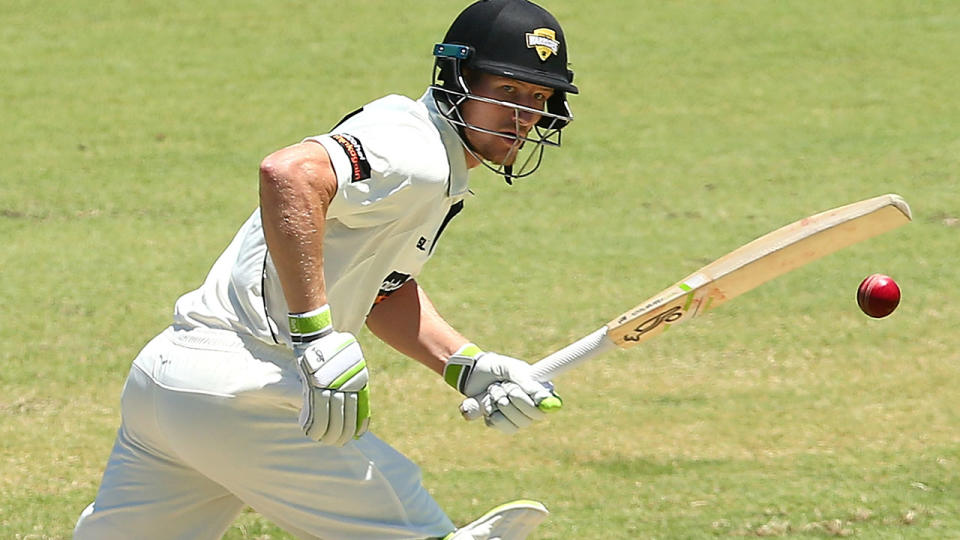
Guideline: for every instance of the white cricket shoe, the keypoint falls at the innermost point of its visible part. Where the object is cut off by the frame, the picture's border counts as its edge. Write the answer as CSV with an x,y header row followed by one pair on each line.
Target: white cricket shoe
x,y
511,521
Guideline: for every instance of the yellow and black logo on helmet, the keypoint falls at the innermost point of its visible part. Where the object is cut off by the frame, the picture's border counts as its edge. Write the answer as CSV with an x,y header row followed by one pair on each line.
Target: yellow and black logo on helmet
x,y
544,40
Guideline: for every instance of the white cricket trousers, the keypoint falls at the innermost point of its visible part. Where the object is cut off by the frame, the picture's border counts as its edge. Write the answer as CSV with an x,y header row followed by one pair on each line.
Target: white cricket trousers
x,y
209,425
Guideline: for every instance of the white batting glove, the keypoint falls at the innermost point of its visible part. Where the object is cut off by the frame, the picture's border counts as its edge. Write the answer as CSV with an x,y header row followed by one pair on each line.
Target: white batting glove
x,y
510,398
334,377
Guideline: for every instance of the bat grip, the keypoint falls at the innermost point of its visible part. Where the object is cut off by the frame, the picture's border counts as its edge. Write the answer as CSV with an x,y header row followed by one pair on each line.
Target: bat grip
x,y
572,355
555,364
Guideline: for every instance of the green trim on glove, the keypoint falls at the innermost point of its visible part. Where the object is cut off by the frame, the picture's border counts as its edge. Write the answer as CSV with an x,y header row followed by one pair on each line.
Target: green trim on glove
x,y
311,325
469,350
550,404
363,410
347,375
451,374
458,367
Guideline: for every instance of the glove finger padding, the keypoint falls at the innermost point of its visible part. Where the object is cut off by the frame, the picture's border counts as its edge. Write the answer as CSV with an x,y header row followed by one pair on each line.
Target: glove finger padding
x,y
315,414
511,402
336,402
493,416
350,427
538,392
499,422
363,411
487,406
522,408
336,422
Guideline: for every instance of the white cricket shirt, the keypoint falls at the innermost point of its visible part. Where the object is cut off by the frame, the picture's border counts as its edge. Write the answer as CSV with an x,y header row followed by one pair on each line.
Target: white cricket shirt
x,y
401,177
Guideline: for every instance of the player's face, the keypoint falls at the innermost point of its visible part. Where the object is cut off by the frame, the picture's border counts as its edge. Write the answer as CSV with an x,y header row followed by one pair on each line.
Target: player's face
x,y
505,123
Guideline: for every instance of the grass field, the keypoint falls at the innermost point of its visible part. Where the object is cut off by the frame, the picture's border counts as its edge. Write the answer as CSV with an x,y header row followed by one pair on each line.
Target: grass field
x,y
131,133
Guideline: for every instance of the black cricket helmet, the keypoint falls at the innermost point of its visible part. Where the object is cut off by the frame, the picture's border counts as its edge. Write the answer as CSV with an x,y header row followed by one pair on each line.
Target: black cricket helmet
x,y
511,38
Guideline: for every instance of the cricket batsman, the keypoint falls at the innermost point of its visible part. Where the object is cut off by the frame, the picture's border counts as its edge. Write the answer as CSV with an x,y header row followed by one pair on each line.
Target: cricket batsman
x,y
257,393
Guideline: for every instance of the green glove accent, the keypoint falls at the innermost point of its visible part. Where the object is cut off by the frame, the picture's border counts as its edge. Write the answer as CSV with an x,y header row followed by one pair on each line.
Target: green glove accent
x,y
363,411
550,404
306,327
458,367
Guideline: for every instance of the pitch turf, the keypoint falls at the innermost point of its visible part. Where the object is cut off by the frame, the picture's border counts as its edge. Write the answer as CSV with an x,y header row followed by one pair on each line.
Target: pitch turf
x,y
131,134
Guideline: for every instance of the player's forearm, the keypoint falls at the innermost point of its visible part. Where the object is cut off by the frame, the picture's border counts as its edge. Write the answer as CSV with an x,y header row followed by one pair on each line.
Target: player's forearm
x,y
296,187
408,321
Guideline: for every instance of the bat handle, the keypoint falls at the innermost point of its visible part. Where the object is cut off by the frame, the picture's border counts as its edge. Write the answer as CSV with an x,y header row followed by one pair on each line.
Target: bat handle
x,y
585,348
557,363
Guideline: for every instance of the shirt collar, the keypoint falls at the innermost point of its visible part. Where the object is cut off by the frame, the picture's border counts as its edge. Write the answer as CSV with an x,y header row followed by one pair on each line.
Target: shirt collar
x,y
458,184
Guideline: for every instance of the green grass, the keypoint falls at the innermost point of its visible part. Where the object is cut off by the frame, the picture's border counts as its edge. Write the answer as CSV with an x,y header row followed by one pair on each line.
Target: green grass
x,y
131,135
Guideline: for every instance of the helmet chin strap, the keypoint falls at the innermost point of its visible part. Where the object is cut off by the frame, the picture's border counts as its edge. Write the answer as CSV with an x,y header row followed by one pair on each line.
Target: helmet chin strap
x,y
508,169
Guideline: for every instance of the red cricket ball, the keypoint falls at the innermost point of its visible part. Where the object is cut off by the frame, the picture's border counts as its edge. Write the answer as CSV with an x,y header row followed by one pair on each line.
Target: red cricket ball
x,y
878,295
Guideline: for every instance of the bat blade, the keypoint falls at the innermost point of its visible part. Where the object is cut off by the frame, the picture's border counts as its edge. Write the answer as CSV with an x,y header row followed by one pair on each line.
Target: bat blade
x,y
757,262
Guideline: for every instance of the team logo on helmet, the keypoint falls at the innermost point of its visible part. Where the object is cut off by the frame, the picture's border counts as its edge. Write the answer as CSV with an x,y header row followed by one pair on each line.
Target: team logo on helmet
x,y
544,40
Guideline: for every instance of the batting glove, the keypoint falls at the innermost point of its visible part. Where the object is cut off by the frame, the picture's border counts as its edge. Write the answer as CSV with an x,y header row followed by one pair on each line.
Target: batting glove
x,y
509,397
333,375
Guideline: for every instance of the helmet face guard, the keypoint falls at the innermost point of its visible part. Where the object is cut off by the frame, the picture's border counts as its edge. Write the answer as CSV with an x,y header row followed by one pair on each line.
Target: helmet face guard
x,y
546,132
515,39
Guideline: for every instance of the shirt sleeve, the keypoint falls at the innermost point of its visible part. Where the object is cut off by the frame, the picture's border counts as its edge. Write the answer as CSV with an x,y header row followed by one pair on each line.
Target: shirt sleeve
x,y
383,168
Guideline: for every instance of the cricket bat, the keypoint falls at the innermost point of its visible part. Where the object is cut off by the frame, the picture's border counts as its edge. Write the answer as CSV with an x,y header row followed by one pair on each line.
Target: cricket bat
x,y
737,272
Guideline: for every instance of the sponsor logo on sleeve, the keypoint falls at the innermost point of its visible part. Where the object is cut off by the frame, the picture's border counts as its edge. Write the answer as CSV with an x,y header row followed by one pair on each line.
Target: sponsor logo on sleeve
x,y
360,167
